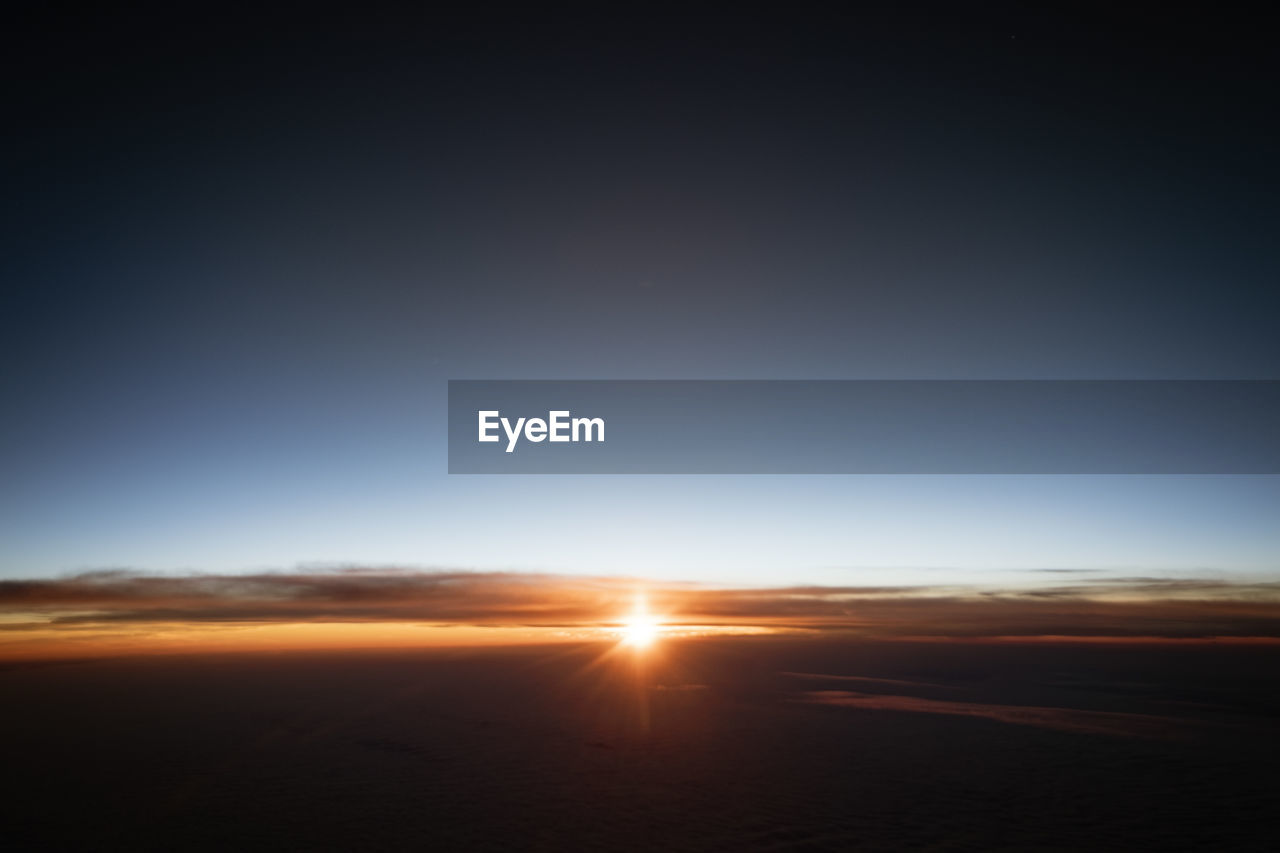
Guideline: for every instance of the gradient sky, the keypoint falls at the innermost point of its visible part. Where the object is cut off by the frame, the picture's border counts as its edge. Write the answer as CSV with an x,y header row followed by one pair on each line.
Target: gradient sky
x,y
242,259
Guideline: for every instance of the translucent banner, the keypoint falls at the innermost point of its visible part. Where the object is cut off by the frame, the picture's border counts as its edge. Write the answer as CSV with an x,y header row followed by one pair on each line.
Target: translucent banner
x,y
864,427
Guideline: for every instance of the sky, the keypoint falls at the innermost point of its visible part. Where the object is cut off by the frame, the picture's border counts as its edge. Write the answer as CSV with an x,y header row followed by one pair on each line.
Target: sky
x,y
244,255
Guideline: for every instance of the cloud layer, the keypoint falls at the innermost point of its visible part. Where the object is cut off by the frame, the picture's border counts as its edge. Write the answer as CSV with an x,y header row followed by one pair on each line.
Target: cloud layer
x,y
1125,607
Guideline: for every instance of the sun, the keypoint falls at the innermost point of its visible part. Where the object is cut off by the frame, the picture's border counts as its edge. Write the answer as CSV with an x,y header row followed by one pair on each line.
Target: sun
x,y
639,633
639,628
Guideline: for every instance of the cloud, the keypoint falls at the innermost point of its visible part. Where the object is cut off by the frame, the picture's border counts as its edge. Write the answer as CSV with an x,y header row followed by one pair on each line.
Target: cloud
x,y
1128,607
341,595
1062,719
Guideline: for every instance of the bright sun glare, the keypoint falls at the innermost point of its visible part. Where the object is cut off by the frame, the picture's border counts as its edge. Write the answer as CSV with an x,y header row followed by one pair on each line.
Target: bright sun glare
x,y
639,629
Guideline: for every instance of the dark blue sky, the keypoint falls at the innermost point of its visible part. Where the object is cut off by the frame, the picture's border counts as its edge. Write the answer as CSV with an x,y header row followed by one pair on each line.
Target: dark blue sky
x,y
244,254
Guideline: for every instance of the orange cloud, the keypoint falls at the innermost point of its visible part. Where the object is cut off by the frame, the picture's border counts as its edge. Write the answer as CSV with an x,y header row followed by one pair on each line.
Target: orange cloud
x,y
115,609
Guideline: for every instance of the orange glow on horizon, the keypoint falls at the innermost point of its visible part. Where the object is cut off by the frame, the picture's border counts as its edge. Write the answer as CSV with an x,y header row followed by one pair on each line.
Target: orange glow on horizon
x,y
186,638
639,631
122,613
